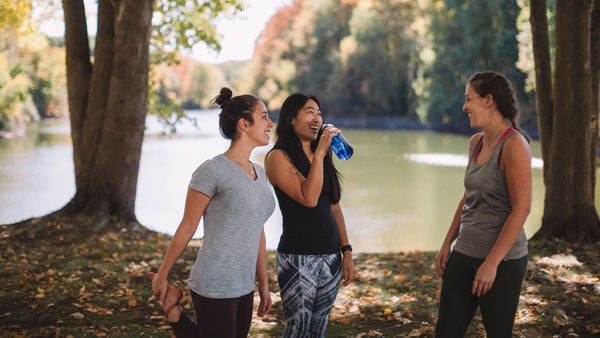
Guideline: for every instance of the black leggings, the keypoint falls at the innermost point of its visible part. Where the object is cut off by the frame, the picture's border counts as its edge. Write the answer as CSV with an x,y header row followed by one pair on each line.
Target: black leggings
x,y
498,306
217,318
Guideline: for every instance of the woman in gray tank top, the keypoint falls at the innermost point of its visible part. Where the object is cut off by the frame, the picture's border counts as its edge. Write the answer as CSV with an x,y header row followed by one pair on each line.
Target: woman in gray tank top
x,y
487,265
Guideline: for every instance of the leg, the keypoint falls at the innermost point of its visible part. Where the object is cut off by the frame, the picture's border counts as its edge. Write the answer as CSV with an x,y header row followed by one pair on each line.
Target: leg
x,y
244,315
184,327
499,305
457,304
218,318
180,322
298,289
328,284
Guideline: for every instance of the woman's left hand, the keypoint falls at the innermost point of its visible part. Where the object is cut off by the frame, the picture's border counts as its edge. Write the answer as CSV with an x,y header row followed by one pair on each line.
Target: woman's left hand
x,y
484,279
265,301
347,268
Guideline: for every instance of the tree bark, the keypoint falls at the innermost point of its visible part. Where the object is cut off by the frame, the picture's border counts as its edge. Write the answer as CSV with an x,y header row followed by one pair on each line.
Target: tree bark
x,y
121,145
569,210
108,106
79,70
595,77
543,76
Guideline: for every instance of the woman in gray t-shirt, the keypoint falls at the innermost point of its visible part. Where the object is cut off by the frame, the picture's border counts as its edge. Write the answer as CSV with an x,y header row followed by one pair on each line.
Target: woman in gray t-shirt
x,y
489,260
233,196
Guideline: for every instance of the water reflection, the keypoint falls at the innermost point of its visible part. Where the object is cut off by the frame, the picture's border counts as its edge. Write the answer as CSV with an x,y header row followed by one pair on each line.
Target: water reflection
x,y
400,189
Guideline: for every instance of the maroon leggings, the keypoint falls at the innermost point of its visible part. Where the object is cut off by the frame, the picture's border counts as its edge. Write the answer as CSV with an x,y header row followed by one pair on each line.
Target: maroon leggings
x,y
217,318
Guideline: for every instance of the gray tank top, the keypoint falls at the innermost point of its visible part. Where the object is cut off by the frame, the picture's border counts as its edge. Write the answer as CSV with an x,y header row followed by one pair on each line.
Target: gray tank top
x,y
487,205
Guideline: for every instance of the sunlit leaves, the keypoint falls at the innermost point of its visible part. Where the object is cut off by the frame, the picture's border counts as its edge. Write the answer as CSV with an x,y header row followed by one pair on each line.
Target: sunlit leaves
x,y
13,14
181,24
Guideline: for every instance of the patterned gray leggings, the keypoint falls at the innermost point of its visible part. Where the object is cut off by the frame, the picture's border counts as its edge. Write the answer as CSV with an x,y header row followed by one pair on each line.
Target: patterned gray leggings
x,y
309,285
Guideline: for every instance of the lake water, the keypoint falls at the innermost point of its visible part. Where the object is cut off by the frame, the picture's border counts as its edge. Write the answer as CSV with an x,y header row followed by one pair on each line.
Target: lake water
x,y
400,189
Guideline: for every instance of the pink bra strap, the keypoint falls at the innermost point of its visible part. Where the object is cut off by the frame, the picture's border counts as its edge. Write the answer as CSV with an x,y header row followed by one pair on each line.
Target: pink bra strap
x,y
504,135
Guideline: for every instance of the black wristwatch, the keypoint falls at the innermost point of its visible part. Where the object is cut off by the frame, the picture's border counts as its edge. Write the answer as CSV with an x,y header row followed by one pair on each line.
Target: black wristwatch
x,y
345,248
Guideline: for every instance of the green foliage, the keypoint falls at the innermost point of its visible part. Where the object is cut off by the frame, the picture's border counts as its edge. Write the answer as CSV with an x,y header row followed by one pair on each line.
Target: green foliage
x,y
321,71
13,14
187,84
181,24
379,67
470,36
16,107
33,73
358,57
365,59
162,104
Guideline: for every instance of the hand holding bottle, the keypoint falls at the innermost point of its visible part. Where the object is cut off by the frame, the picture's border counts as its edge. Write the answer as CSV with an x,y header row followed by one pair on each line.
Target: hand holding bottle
x,y
339,144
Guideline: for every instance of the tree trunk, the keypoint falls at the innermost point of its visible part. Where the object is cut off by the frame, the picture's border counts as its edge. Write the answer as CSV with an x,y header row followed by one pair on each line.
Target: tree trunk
x,y
569,210
543,76
595,77
107,105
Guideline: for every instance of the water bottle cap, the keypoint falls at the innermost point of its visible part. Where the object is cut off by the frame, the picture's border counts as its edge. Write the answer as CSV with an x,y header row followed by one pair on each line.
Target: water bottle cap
x,y
327,125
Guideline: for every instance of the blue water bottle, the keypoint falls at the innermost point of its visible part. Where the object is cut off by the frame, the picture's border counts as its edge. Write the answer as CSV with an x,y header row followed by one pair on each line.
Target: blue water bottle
x,y
340,146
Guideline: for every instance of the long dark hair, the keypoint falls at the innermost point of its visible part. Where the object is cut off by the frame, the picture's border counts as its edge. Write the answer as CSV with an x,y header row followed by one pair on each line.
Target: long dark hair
x,y
233,109
288,141
495,84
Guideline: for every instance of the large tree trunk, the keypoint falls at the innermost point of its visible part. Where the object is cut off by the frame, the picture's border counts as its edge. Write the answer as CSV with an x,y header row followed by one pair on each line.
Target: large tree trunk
x,y
543,75
569,210
107,105
595,76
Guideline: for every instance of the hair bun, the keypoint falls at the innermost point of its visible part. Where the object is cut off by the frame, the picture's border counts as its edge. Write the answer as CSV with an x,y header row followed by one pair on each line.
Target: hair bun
x,y
223,98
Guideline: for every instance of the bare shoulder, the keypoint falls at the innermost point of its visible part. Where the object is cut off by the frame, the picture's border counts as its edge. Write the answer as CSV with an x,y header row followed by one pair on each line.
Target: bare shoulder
x,y
476,136
517,142
277,160
474,140
516,152
276,156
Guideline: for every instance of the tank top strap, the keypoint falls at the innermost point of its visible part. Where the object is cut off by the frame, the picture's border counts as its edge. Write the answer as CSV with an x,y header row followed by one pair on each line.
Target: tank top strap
x,y
506,133
478,148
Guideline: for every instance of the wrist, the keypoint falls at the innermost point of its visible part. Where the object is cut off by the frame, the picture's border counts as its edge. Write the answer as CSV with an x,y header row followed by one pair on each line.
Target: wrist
x,y
345,248
493,262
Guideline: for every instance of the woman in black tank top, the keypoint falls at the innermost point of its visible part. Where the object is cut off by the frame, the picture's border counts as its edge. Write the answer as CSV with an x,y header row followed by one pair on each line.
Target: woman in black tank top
x,y
307,186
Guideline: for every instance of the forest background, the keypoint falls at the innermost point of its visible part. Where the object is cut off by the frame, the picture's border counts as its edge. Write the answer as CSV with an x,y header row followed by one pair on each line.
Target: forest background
x,y
374,64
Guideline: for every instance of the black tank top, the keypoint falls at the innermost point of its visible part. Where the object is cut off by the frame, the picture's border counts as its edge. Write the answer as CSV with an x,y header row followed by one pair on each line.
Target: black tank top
x,y
308,231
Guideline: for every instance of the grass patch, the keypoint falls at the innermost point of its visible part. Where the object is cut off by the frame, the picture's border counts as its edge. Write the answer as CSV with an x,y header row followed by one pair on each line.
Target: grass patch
x,y
95,286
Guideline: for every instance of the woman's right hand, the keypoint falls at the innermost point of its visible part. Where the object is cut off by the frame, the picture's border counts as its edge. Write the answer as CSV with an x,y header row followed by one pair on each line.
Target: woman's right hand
x,y
159,287
441,258
325,142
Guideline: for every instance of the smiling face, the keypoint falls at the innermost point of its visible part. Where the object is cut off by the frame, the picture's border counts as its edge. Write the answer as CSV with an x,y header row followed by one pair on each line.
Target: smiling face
x,y
477,107
308,121
261,128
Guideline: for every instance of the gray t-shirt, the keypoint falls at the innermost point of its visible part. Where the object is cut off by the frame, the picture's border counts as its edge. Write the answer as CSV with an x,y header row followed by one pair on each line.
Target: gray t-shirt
x,y
487,205
225,266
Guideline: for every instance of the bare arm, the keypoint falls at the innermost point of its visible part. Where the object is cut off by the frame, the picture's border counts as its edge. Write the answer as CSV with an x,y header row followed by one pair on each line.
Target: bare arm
x,y
283,174
516,163
263,279
347,263
195,204
444,252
